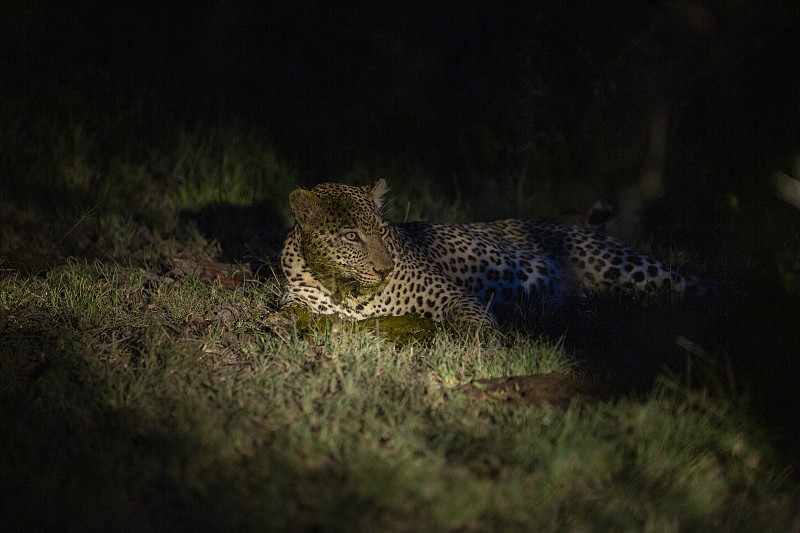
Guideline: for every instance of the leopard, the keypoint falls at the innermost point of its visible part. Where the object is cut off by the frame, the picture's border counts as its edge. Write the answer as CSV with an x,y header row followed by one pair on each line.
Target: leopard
x,y
343,257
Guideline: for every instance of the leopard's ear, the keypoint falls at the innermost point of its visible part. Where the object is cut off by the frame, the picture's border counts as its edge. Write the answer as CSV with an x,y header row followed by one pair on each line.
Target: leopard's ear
x,y
305,206
377,190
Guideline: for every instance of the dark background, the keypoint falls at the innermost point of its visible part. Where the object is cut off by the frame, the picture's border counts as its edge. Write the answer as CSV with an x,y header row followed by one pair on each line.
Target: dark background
x,y
565,91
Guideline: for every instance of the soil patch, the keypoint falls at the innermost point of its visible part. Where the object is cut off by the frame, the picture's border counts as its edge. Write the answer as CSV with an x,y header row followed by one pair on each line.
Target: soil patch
x,y
555,389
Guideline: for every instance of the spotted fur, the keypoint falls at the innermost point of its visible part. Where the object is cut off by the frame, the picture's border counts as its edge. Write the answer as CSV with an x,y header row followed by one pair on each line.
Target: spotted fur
x,y
343,258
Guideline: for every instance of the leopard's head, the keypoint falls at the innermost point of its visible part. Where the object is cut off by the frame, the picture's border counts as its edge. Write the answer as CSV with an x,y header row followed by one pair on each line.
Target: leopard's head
x,y
342,234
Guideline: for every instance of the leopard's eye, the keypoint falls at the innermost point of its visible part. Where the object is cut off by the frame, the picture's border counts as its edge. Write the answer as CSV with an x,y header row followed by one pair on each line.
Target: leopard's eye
x,y
351,236
383,230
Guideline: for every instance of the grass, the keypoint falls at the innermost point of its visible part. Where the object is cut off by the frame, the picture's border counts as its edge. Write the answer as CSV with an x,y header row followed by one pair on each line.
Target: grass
x,y
137,396
124,406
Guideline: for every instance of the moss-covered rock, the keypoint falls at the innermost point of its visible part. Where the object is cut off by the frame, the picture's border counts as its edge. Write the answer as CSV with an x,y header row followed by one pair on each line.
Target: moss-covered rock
x,y
399,329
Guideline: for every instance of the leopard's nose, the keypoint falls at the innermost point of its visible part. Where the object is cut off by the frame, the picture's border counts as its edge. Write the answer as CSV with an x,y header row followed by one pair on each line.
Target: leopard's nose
x,y
383,272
